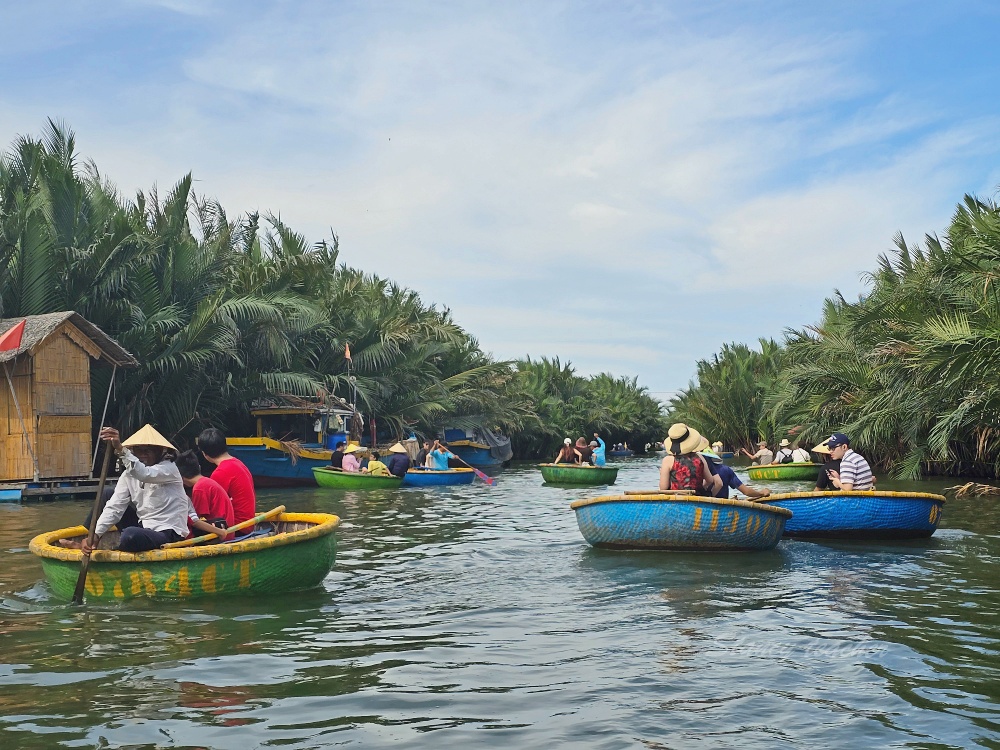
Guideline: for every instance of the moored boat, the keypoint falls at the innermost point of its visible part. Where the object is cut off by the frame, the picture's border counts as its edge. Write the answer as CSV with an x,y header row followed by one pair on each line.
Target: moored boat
x,y
679,522
861,515
436,478
298,555
349,480
784,471
578,474
479,447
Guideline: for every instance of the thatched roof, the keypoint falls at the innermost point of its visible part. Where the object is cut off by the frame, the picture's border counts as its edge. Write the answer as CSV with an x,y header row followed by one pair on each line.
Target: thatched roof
x,y
39,327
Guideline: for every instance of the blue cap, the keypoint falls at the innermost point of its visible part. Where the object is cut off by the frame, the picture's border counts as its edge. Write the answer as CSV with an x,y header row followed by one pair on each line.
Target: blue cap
x,y
837,439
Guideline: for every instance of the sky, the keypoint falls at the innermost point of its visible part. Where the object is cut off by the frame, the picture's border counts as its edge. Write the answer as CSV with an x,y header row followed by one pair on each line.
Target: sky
x,y
624,185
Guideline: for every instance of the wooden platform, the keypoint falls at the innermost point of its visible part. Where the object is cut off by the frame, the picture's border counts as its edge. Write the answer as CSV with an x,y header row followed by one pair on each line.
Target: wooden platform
x,y
16,492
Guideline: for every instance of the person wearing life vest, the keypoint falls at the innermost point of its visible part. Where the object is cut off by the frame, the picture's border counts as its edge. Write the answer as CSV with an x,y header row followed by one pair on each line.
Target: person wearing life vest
x,y
684,468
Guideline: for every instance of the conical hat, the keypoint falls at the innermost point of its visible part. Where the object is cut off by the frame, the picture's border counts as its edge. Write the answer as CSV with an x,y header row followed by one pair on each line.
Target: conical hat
x,y
397,448
148,436
822,447
353,448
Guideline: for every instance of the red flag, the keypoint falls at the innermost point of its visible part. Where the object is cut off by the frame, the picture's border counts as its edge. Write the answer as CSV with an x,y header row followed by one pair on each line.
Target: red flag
x,y
11,341
347,352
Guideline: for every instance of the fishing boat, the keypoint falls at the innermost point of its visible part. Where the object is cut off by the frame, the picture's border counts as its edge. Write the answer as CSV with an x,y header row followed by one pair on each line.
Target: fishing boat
x,y
297,554
624,453
436,478
861,515
578,474
480,447
679,522
290,443
350,480
788,472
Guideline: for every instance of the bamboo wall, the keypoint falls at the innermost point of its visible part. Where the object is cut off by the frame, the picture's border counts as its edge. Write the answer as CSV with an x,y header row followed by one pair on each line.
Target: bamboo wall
x,y
53,388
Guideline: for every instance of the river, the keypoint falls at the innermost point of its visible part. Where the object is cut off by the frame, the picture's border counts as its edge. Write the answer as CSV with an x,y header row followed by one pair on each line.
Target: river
x,y
479,617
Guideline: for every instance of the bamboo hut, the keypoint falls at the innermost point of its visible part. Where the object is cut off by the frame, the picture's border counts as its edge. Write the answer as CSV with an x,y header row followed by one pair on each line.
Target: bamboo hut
x,y
45,404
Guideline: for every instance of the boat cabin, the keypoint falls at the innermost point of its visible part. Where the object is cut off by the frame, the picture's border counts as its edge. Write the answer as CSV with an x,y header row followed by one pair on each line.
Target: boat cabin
x,y
318,426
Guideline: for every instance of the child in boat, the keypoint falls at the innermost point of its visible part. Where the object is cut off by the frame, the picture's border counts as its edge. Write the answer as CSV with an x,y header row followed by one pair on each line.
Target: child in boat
x,y
375,466
231,473
211,502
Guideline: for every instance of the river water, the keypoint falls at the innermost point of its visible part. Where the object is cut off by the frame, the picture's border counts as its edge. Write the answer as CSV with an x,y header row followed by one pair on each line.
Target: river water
x,y
478,617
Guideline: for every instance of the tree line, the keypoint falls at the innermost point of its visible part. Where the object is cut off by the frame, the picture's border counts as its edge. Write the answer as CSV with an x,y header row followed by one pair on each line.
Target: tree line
x,y
224,312
908,370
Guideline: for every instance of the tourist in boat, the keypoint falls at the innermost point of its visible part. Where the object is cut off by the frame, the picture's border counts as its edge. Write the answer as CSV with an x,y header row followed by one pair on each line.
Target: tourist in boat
x,y
351,464
854,473
684,468
728,478
337,457
585,451
375,466
231,473
717,447
212,504
823,482
153,484
421,461
438,457
398,462
363,458
599,449
762,456
784,454
567,454
801,456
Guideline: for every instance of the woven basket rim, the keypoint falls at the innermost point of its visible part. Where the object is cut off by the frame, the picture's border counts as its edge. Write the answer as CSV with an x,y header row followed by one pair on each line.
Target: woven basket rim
x,y
43,545
858,493
731,502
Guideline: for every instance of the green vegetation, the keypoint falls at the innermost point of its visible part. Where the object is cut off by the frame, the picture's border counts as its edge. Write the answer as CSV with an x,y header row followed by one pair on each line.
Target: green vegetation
x,y
223,312
908,370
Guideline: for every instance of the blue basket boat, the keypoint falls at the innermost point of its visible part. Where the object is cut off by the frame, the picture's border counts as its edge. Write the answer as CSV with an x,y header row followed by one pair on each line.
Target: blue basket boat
x,y
436,478
861,515
626,453
679,522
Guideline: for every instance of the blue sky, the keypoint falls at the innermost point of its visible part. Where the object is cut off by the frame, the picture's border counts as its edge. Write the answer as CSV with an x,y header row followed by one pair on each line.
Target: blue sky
x,y
625,185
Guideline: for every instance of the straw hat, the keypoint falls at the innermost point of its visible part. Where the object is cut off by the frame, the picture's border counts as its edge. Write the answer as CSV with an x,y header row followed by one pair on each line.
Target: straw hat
x,y
352,448
397,448
148,436
682,439
822,447
784,443
704,445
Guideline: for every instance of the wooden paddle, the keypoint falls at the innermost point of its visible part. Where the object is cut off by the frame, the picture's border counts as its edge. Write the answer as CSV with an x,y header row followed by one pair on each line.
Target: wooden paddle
x,y
482,475
249,522
81,582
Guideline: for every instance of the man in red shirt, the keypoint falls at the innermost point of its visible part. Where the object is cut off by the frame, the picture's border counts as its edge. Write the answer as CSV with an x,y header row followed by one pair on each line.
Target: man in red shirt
x,y
210,501
231,473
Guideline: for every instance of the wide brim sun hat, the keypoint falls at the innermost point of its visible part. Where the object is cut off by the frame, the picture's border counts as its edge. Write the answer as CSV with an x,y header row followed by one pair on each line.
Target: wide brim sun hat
x,y
682,439
148,435
784,443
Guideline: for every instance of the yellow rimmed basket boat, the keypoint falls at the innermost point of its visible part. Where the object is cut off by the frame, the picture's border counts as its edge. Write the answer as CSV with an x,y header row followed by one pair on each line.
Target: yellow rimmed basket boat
x,y
679,522
299,555
792,471
861,515
578,474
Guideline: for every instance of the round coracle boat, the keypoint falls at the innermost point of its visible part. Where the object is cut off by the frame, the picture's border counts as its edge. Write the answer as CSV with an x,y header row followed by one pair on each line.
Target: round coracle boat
x,y
349,480
784,471
626,453
298,554
437,478
861,515
578,474
679,522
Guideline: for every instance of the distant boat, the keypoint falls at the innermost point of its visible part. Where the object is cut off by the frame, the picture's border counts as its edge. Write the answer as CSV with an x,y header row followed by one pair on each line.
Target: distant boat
x,y
727,454
624,453
479,447
784,471
437,478
578,474
861,515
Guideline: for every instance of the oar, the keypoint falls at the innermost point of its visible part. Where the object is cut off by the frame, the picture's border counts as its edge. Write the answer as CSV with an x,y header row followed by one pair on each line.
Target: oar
x,y
485,477
94,513
249,522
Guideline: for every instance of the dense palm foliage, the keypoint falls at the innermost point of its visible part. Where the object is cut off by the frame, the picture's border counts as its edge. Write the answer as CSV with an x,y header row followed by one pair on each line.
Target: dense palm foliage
x,y
909,369
222,313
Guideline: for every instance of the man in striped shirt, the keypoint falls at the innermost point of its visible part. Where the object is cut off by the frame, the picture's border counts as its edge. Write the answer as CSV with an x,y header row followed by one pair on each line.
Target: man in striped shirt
x,y
855,473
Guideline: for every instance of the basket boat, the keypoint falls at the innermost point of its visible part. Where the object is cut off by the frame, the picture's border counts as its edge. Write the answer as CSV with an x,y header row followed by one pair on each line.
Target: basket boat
x,y
437,478
298,556
784,471
348,480
679,522
626,453
574,474
861,515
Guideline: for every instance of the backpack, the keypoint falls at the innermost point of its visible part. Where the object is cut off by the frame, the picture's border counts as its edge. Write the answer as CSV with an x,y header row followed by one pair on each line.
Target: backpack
x,y
786,456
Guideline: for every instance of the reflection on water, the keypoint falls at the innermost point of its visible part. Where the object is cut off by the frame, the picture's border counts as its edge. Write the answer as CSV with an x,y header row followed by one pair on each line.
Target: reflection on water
x,y
476,616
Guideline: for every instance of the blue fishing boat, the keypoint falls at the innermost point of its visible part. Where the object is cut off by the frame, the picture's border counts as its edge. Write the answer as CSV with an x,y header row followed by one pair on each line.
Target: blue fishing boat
x,y
434,478
480,447
679,522
624,453
861,515
290,443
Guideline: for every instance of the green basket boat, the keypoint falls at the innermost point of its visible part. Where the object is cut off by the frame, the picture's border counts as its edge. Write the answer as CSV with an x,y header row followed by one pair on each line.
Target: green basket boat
x,y
784,471
573,474
298,556
347,480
